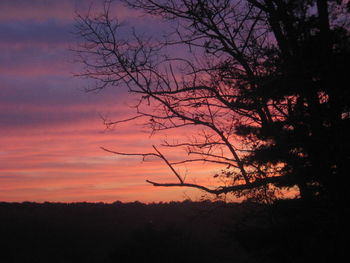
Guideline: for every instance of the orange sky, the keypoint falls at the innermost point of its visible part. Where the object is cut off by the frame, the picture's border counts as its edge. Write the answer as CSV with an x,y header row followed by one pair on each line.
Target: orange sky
x,y
50,130
65,163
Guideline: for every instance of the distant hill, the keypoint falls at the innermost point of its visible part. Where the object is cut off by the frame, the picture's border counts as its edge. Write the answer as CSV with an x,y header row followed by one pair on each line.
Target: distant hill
x,y
163,232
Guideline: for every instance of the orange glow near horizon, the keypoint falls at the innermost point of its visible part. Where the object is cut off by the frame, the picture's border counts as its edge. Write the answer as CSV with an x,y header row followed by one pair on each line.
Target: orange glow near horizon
x,y
66,164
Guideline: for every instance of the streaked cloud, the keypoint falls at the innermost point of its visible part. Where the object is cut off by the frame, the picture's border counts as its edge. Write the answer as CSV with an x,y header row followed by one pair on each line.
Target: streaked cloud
x,y
50,129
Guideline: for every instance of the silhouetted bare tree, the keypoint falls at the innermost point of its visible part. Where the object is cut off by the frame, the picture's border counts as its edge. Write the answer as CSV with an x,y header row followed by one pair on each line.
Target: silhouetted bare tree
x,y
265,80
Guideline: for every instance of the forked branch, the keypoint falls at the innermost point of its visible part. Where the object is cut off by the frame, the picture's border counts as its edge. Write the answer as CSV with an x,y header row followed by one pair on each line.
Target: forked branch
x,y
225,189
217,191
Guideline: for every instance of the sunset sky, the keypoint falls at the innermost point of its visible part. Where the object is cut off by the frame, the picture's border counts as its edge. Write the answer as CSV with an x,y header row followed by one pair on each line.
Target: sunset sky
x,y
51,130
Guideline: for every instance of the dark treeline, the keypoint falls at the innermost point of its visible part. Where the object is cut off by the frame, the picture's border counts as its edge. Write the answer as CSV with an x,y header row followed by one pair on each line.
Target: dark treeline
x,y
287,231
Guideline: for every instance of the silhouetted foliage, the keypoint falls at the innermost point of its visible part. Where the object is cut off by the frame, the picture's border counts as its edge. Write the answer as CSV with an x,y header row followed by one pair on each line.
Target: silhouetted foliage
x,y
266,80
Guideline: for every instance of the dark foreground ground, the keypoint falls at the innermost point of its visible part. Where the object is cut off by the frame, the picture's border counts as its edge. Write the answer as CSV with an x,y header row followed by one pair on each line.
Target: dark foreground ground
x,y
289,231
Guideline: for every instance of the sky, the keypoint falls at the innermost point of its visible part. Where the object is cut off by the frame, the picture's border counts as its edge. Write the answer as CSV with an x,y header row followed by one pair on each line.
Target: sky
x,y
51,130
